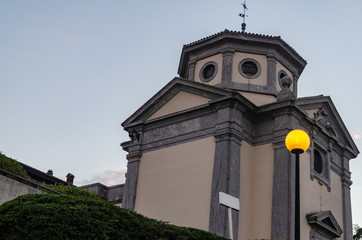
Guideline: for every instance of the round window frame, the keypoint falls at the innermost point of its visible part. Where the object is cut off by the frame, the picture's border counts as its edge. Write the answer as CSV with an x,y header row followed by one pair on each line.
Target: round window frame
x,y
257,74
280,79
201,74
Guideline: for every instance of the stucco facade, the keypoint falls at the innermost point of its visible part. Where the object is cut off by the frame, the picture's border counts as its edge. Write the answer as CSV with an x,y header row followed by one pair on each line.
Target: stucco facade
x,y
183,183
220,127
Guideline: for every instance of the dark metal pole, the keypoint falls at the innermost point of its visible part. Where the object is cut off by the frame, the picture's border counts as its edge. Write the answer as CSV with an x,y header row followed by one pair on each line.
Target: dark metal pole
x,y
297,199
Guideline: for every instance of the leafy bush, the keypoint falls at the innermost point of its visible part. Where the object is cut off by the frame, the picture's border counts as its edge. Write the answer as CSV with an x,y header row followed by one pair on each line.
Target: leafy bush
x,y
72,190
81,215
12,166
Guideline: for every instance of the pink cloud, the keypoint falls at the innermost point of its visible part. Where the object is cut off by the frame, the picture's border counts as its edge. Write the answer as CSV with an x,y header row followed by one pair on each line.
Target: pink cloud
x,y
108,178
357,136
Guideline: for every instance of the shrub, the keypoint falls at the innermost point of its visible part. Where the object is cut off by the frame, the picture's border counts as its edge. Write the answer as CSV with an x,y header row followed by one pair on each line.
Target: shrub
x,y
81,215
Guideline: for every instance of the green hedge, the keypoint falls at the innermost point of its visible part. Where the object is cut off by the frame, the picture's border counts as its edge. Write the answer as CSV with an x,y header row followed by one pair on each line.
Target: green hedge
x,y
80,215
12,166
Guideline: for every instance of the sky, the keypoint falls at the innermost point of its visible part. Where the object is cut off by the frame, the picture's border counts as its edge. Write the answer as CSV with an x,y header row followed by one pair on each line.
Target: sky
x,y
72,71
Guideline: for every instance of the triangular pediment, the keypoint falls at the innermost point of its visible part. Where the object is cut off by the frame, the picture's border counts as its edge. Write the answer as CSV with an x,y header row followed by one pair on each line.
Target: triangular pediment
x,y
323,113
326,222
177,96
179,102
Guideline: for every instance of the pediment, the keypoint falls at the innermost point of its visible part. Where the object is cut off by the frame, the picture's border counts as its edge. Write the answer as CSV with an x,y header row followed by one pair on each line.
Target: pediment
x,y
326,222
177,96
179,102
324,114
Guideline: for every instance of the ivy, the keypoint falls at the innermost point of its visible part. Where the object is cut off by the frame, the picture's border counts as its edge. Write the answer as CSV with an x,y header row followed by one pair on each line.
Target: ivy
x,y
12,166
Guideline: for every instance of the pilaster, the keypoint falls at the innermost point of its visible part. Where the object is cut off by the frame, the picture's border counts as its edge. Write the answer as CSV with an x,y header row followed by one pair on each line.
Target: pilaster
x,y
226,173
283,193
295,85
346,192
227,62
134,156
191,71
271,75
130,188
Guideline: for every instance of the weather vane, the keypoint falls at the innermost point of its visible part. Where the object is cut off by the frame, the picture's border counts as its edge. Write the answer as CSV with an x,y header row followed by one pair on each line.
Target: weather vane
x,y
243,15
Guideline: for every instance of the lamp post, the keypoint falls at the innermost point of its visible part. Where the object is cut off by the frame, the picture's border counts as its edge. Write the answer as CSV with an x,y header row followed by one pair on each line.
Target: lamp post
x,y
297,142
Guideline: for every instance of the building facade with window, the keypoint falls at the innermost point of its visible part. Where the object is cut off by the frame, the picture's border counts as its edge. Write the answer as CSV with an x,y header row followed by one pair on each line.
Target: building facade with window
x,y
220,127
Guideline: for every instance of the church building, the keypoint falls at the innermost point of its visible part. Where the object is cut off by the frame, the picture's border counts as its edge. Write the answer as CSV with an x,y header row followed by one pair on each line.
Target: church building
x,y
220,127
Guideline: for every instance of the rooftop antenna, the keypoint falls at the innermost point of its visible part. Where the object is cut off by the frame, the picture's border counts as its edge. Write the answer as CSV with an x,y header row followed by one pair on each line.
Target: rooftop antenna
x,y
243,15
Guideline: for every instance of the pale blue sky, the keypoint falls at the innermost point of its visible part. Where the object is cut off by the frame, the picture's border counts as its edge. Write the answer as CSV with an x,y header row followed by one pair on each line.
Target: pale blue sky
x,y
71,71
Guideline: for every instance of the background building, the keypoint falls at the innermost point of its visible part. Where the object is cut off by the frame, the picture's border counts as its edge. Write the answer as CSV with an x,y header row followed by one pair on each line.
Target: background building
x,y
220,127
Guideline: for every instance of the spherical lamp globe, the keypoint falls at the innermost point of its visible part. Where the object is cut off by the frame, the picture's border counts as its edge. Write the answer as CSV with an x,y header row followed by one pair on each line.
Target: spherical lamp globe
x,y
297,141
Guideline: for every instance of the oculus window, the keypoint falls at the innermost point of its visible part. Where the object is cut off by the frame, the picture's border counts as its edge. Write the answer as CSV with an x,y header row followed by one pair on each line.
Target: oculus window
x,y
208,71
249,68
281,74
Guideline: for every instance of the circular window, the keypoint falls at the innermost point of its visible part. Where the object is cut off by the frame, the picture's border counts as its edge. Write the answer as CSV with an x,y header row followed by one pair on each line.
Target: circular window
x,y
249,68
318,162
208,71
281,74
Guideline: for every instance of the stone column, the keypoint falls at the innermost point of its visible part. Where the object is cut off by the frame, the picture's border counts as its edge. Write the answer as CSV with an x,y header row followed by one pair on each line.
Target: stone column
x,y
226,173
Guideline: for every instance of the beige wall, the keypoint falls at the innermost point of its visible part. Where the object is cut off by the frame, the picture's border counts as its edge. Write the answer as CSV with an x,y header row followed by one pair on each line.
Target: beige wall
x,y
256,188
179,102
238,78
258,98
199,64
279,67
174,183
315,197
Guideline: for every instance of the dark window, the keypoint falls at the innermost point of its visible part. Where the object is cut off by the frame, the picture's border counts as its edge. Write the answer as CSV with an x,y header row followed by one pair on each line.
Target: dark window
x,y
281,75
318,162
249,68
208,71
